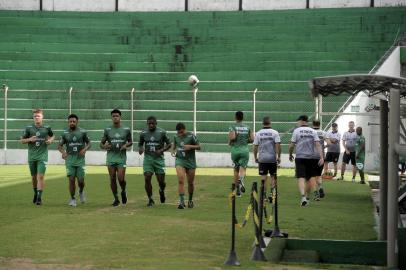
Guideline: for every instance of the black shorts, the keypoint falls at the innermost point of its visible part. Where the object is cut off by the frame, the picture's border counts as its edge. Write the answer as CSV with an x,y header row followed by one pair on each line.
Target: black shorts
x,y
265,168
306,168
332,157
347,158
319,169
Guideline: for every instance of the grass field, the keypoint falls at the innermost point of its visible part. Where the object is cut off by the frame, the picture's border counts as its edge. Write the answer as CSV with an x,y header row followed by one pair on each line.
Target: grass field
x,y
97,236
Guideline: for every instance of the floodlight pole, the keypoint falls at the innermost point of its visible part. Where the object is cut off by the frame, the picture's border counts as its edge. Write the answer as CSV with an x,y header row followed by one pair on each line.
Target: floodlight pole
x,y
195,89
132,117
393,179
254,108
5,117
318,108
70,100
383,172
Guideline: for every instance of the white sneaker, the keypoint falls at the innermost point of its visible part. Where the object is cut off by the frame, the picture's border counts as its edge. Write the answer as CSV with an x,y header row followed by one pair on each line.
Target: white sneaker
x,y
82,197
353,180
304,201
72,202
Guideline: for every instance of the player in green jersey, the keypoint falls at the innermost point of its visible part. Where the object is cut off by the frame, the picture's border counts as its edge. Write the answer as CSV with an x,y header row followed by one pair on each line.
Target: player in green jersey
x,y
38,137
360,154
240,135
184,147
77,143
116,139
154,142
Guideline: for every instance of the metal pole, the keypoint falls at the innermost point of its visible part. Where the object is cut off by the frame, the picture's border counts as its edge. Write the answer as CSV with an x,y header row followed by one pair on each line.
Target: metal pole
x,y
254,109
276,231
232,257
383,172
195,89
393,178
320,116
316,108
132,117
70,100
5,116
261,213
257,253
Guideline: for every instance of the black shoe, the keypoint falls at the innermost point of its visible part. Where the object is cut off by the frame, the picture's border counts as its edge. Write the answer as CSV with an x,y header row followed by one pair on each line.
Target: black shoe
x,y
190,204
181,205
39,201
321,193
124,197
34,200
362,182
150,203
115,203
162,197
316,196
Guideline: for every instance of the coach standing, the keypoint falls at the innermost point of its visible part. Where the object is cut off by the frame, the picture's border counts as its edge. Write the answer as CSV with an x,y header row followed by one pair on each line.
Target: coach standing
x,y
306,141
267,151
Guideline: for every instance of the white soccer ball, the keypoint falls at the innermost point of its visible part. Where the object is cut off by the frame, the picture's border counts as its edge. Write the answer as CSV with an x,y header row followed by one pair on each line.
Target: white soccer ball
x,y
193,80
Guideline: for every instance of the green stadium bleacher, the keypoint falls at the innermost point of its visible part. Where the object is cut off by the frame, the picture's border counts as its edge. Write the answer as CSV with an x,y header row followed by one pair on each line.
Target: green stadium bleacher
x,y
103,56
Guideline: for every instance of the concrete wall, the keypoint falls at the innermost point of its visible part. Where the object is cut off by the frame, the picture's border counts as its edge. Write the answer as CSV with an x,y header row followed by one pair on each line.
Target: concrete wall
x,y
79,5
273,4
339,3
151,5
19,4
213,5
390,3
392,66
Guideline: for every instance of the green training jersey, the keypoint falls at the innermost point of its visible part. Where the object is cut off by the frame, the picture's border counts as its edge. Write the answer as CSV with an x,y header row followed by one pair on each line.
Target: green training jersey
x,y
153,140
38,150
75,141
188,139
117,137
242,135
360,141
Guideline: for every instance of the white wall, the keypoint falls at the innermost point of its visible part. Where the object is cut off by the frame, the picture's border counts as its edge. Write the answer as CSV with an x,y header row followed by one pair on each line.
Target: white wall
x,y
339,3
79,5
273,4
151,5
392,66
389,3
213,5
19,4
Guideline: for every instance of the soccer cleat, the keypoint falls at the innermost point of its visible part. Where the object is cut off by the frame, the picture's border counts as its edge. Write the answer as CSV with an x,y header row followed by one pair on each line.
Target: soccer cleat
x,y
150,203
321,193
190,204
39,201
181,205
34,200
303,202
115,203
72,202
242,185
316,196
162,197
82,197
124,197
341,178
362,182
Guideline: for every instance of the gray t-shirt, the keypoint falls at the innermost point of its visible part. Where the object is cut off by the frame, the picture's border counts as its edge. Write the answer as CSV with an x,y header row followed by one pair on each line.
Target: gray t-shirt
x,y
266,139
322,135
304,137
350,139
334,147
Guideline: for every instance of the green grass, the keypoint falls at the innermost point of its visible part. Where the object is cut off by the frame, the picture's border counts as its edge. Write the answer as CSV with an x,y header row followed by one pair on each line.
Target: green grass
x,y
96,236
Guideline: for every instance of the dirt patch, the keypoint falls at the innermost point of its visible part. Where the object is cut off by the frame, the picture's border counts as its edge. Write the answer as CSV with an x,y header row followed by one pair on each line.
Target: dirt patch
x,y
28,264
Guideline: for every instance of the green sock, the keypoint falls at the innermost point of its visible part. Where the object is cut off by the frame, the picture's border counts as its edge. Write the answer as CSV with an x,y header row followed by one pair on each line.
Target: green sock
x,y
35,190
39,194
190,196
115,196
182,198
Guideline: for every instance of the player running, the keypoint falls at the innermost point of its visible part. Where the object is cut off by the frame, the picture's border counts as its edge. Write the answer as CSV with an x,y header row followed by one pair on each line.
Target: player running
x,y
319,192
267,152
154,142
184,147
38,136
360,154
349,140
306,141
333,148
77,143
240,135
116,139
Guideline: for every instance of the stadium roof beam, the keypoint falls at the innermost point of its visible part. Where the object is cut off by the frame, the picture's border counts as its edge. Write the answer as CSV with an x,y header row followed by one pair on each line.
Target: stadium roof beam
x,y
386,88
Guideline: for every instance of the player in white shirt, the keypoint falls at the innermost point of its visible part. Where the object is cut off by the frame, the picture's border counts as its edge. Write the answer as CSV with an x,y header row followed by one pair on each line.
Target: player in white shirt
x,y
333,139
319,192
349,140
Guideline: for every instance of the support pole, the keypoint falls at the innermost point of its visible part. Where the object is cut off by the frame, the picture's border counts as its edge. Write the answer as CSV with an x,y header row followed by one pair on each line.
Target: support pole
x,y
232,257
70,100
132,117
254,109
261,213
195,89
257,253
5,117
383,172
393,179
276,231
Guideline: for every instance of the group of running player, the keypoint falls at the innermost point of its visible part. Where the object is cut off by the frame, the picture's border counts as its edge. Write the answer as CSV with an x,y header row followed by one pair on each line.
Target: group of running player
x,y
310,143
154,141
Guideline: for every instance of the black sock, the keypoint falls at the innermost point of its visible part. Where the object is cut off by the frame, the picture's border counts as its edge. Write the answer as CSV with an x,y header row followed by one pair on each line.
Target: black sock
x,y
115,196
35,191
162,187
123,184
191,196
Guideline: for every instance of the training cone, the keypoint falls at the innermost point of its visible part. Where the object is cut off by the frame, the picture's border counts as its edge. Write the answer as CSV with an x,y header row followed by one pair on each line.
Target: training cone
x,y
257,254
232,259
